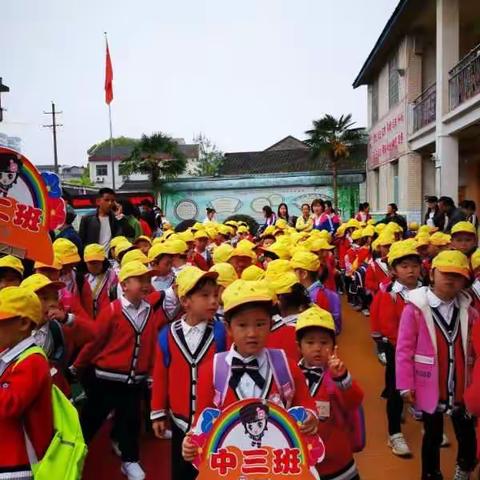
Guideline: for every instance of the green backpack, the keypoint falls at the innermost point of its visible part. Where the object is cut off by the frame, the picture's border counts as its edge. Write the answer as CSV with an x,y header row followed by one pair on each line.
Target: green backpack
x,y
66,453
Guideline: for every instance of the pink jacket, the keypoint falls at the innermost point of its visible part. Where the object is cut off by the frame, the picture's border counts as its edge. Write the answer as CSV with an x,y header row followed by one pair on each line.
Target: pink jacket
x,y
416,352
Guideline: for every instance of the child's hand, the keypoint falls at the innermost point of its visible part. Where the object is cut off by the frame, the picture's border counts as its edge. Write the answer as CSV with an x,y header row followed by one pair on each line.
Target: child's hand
x,y
310,425
159,427
335,365
409,397
189,449
57,313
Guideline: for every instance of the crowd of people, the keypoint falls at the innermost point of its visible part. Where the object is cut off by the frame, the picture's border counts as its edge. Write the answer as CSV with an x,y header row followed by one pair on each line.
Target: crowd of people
x,y
132,321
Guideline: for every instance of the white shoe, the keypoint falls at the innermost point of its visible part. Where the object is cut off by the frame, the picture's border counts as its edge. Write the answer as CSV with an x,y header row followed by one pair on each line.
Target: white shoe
x,y
116,448
461,474
445,441
398,445
133,471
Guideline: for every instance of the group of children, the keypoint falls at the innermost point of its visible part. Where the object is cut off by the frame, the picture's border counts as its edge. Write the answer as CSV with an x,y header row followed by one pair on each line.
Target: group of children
x,y
144,327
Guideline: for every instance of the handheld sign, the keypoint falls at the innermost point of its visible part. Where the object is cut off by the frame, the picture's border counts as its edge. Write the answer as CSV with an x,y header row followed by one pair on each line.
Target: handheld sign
x,y
30,206
255,439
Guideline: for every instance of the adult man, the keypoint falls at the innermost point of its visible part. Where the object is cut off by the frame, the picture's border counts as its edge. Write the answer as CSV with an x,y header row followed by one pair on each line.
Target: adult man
x,y
453,214
101,226
469,208
393,216
433,216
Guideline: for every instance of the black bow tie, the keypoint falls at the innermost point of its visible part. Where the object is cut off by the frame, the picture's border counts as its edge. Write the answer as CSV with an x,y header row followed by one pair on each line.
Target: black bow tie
x,y
313,375
239,368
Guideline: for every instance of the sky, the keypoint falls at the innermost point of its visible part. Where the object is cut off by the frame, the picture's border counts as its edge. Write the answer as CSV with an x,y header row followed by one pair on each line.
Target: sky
x,y
244,73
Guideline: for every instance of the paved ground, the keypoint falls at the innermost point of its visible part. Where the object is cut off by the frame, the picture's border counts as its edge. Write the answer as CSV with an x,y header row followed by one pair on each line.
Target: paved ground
x,y
375,463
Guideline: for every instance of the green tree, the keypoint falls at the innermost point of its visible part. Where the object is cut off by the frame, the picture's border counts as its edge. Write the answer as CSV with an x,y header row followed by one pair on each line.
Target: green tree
x,y
210,158
117,142
334,138
84,180
157,156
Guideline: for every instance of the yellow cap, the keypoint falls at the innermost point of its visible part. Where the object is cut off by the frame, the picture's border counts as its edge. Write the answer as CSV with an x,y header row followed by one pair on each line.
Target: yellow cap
x,y
452,261
413,226
440,239
198,226
357,234
55,265
9,261
243,229
277,267
222,253
115,241
243,251
226,273
253,272
475,259
246,244
232,223
186,236
372,221
305,260
280,250
134,269
37,281
281,223
189,277
20,302
394,227
463,227
402,249
320,244
385,238
200,234
94,253
225,230
241,292
123,247
170,247
134,255
379,228
284,283
270,230
66,251
422,240
368,231
315,317
144,238
353,223
177,246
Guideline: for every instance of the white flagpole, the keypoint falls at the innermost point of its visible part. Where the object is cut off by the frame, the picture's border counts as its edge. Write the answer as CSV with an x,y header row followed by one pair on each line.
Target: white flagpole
x,y
112,163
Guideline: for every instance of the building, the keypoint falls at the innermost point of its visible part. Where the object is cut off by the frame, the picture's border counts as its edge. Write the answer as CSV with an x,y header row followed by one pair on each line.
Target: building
x,y
423,81
66,172
100,164
247,181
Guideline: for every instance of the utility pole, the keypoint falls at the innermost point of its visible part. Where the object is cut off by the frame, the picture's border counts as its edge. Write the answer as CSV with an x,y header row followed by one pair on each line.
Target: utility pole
x,y
54,126
3,89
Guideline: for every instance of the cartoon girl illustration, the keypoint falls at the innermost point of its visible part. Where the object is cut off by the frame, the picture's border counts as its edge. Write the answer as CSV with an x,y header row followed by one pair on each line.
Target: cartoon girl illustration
x,y
10,166
254,418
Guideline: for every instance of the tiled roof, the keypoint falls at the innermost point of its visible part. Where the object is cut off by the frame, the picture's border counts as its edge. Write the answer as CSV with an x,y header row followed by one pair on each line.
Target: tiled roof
x,y
288,143
121,152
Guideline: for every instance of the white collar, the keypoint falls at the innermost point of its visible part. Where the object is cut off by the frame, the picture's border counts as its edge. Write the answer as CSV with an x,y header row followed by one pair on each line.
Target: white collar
x,y
11,353
398,287
201,327
290,319
261,357
127,305
435,302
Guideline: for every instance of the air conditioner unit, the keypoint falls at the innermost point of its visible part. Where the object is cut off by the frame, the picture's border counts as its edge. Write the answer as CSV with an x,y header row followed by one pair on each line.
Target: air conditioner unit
x,y
99,180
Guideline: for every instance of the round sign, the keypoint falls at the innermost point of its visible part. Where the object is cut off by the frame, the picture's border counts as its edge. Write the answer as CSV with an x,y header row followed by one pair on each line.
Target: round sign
x,y
186,210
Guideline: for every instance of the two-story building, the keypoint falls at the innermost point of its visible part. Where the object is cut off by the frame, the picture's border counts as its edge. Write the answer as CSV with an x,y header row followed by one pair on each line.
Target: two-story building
x,y
423,81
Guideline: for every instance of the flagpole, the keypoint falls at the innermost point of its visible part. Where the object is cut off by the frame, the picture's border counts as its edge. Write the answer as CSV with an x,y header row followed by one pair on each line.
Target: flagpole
x,y
112,163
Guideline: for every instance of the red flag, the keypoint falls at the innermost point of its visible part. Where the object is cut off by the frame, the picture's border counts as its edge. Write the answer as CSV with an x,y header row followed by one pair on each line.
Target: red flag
x,y
108,78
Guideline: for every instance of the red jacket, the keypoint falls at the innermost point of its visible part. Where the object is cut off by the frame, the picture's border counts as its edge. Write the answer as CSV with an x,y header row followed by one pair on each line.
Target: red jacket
x,y
206,390
376,275
342,398
25,400
385,313
329,282
168,394
94,307
199,261
121,351
282,336
342,248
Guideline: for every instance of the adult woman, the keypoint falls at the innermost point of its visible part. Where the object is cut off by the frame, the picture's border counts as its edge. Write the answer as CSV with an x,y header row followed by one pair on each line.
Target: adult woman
x,y
329,220
304,223
270,217
363,214
318,207
282,212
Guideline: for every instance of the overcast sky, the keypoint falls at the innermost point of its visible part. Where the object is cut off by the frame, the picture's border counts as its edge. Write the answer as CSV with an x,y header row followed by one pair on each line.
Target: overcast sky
x,y
245,73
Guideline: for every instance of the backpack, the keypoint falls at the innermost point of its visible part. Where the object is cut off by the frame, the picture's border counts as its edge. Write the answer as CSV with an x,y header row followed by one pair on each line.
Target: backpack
x,y
66,453
219,338
354,422
280,369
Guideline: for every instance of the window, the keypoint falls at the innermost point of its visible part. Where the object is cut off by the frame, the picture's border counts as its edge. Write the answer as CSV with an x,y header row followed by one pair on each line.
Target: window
x,y
375,102
393,81
395,182
101,170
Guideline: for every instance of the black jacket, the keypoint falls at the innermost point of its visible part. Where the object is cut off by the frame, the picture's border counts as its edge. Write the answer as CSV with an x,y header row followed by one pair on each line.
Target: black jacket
x,y
455,216
90,228
438,218
398,219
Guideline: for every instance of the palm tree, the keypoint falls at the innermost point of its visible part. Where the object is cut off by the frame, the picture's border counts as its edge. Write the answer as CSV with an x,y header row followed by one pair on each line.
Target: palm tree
x,y
157,156
335,138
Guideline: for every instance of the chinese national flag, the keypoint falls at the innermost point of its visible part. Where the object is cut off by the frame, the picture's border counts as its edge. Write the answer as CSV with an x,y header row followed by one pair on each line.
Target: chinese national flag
x,y
108,78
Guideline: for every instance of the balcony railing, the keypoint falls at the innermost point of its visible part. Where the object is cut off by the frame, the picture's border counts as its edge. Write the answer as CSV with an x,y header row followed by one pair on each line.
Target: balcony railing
x,y
424,108
464,80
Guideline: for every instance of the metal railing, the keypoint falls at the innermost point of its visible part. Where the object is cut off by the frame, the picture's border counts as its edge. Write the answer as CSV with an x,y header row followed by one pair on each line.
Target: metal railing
x,y
464,80
424,108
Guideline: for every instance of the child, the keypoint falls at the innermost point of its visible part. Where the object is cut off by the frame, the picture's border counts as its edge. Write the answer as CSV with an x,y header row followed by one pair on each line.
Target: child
x,y
11,271
143,243
377,271
336,395
385,313
433,360
292,300
100,278
51,271
226,276
464,238
160,257
248,307
306,266
324,250
475,288
241,258
222,253
122,359
26,396
253,273
183,347
201,256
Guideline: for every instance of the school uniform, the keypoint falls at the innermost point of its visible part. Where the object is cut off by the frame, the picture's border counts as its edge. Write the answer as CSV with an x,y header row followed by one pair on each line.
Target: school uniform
x,y
25,403
180,351
282,336
334,399
122,359
475,294
330,281
202,260
436,366
376,274
95,291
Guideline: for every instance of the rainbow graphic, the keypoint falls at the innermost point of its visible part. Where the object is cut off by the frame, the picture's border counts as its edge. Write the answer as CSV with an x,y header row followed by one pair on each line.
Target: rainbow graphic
x,y
278,416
